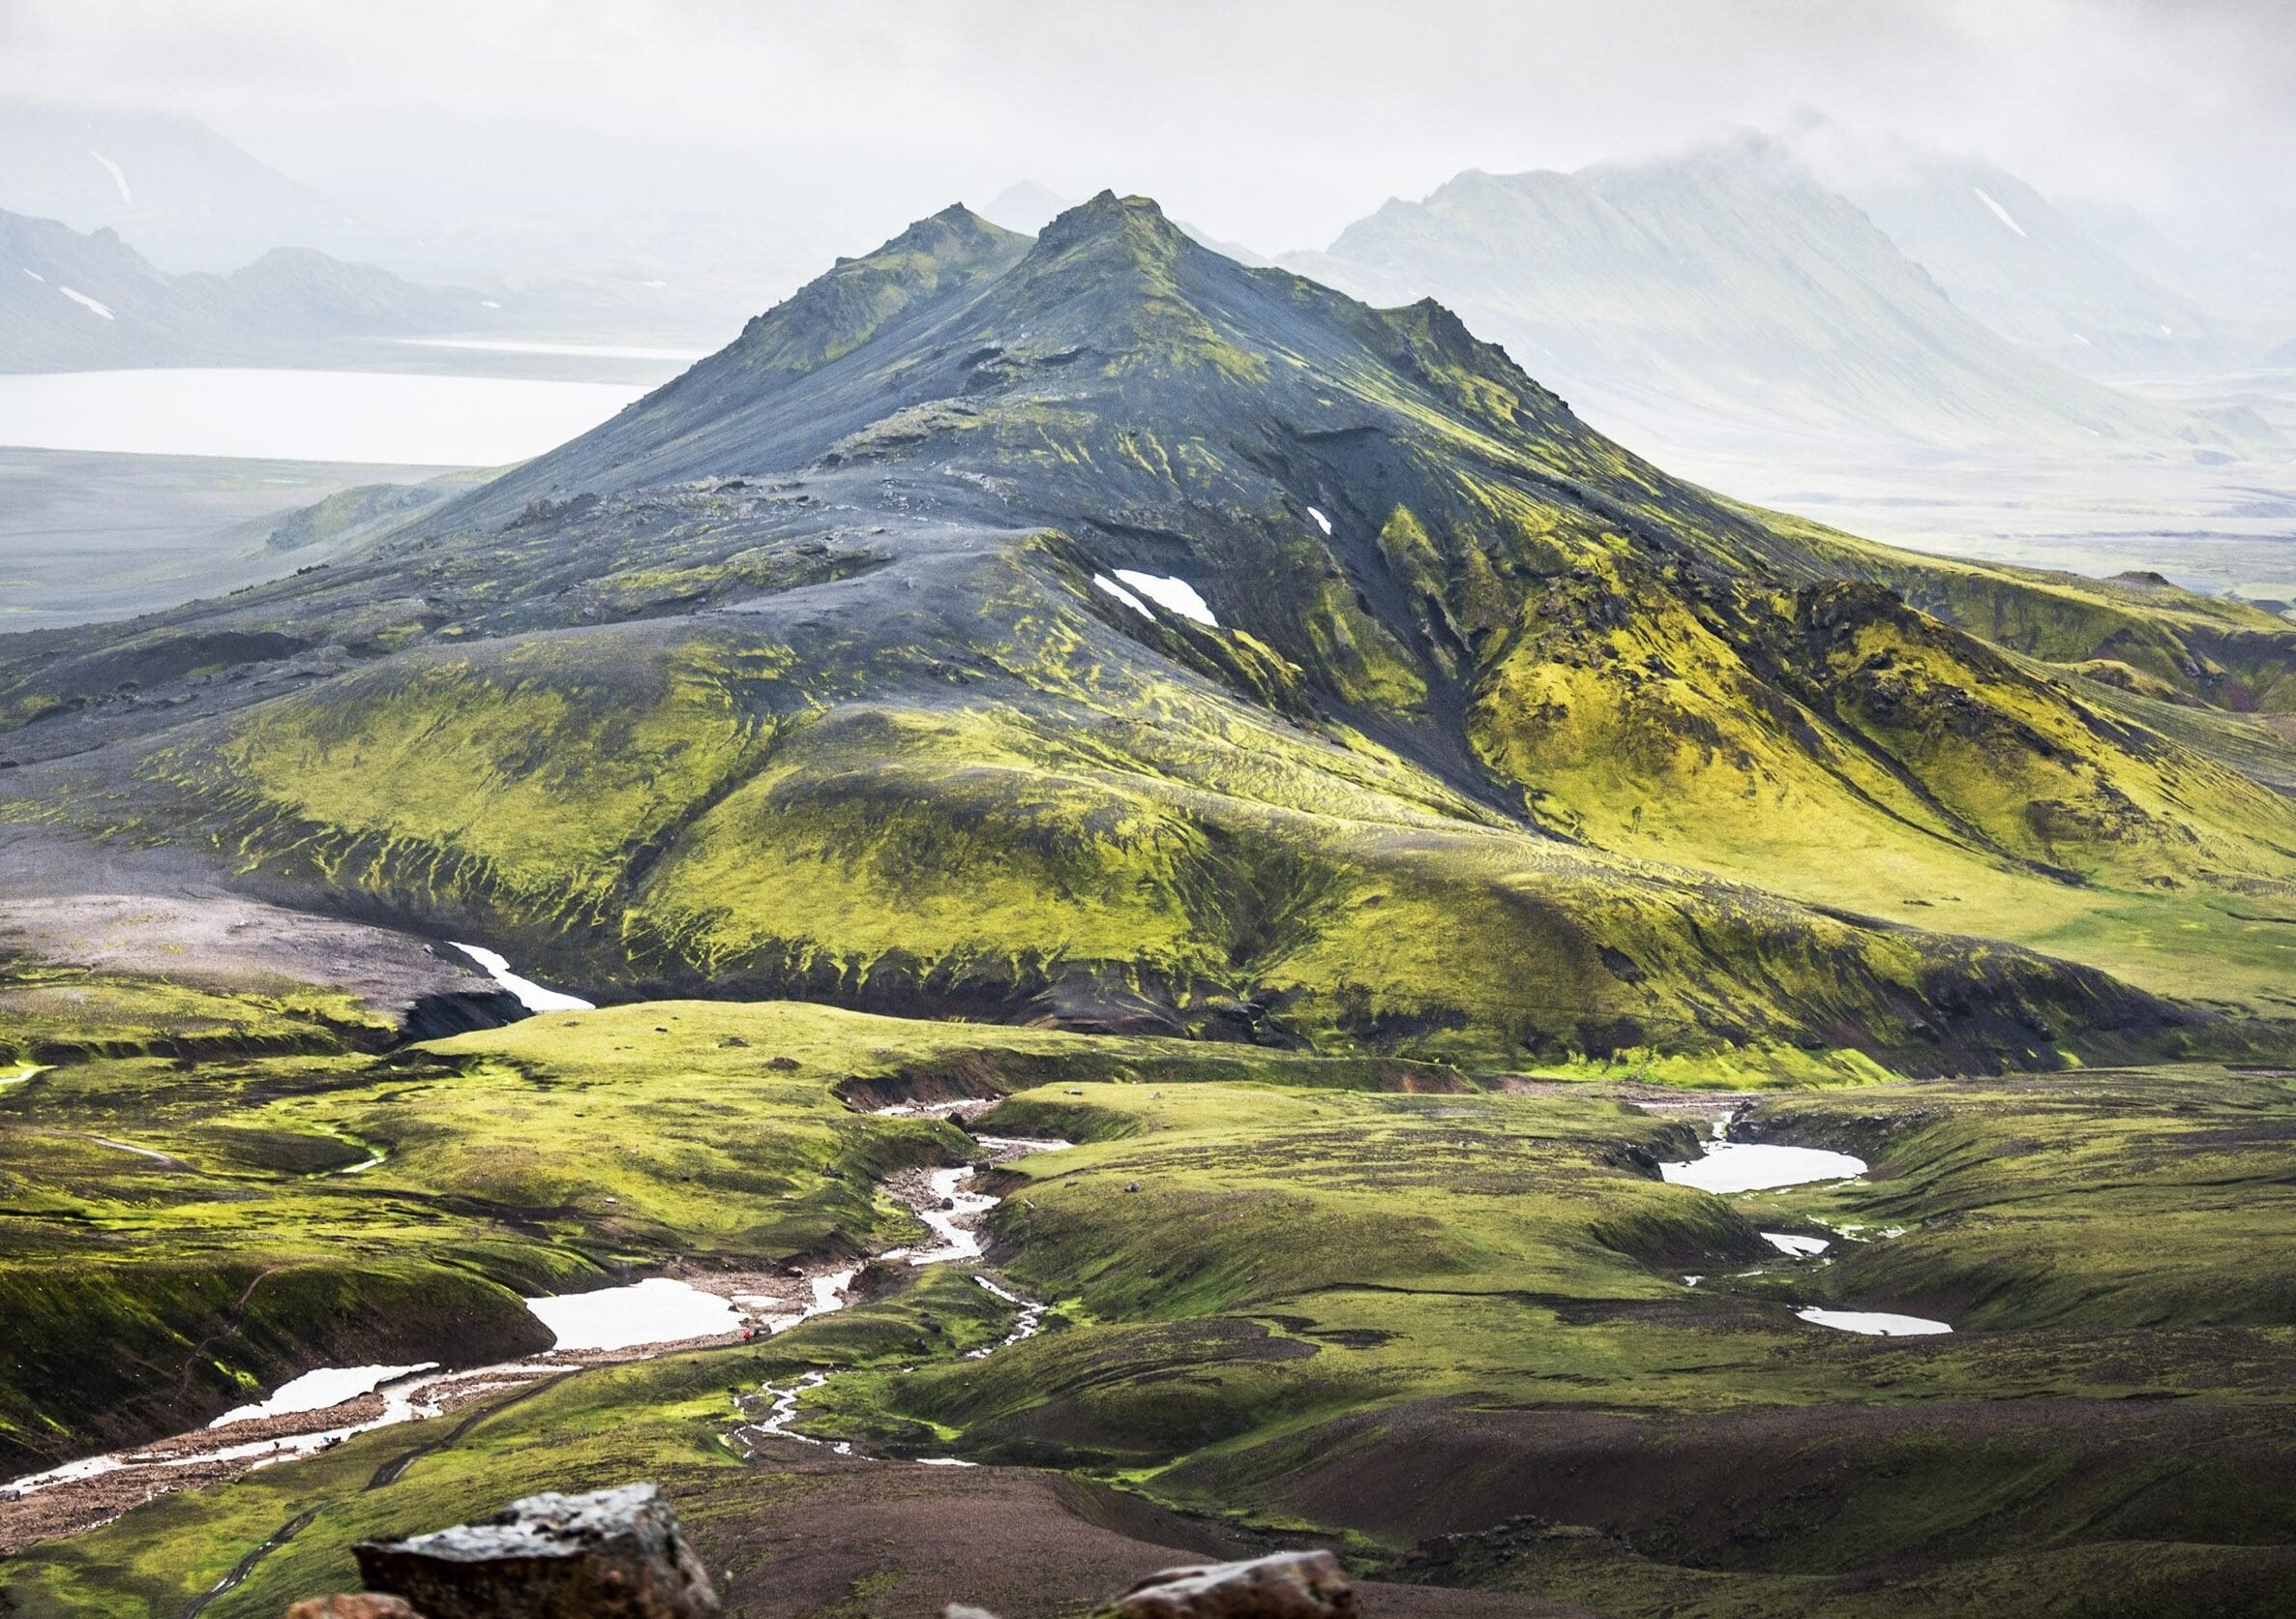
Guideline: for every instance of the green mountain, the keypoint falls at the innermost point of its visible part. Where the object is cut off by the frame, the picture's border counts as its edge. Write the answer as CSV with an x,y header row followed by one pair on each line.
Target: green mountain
x,y
1091,631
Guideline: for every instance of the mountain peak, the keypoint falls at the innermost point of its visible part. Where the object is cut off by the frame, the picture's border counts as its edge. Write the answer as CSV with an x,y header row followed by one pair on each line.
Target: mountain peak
x,y
1135,224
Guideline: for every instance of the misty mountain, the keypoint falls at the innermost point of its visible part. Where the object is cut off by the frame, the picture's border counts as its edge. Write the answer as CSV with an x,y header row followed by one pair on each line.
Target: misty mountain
x,y
1728,291
180,192
2005,255
191,201
2251,281
70,301
1089,630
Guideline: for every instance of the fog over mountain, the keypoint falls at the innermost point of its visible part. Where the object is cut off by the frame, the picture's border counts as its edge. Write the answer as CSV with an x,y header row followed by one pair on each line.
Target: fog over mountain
x,y
1730,285
1273,124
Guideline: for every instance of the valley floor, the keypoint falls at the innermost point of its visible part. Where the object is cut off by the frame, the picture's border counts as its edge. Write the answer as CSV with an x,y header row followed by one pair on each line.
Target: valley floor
x,y
1441,1322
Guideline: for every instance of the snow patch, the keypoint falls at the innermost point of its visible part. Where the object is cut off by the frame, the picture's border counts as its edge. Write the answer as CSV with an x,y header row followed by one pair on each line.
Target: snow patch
x,y
1999,212
131,1147
118,175
660,1309
320,1389
1750,1166
1801,1248
531,994
1322,521
1875,1323
1166,591
1102,581
85,302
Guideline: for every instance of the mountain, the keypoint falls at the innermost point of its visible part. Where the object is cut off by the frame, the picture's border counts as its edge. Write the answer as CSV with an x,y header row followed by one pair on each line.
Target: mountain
x,y
1094,632
70,301
1728,290
2005,254
181,192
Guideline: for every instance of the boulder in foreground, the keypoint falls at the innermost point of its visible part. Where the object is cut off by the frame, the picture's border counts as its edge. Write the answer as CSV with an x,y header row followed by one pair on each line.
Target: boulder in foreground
x,y
611,1555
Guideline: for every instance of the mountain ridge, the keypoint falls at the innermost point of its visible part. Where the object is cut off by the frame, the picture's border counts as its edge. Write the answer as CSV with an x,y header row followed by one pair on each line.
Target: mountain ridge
x,y
803,676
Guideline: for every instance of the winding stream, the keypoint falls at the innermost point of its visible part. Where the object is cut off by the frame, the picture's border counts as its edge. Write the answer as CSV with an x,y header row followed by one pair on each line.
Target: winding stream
x,y
321,1408
952,1209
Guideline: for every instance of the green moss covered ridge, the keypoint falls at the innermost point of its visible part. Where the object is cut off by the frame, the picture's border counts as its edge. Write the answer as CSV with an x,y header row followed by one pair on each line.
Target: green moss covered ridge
x,y
793,679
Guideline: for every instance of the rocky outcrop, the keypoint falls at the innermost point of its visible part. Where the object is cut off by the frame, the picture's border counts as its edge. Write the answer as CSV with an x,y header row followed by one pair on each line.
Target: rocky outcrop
x,y
612,1554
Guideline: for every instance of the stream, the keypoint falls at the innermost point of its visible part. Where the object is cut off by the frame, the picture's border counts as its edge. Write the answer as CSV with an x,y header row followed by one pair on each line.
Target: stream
x,y
953,1211
321,1408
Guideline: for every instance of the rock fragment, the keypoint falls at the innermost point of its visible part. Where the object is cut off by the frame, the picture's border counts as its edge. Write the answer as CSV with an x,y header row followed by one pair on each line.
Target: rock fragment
x,y
1290,1585
353,1604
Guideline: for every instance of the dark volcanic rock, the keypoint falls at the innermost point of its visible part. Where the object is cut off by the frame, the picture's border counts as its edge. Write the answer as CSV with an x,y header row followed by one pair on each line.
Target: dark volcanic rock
x,y
1290,1585
612,1554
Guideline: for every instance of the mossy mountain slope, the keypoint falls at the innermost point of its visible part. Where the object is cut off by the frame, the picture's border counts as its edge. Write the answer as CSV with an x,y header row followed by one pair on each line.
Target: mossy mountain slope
x,y
804,676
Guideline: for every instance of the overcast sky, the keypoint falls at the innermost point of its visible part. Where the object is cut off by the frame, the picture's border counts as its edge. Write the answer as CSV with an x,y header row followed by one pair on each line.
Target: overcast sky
x,y
1272,122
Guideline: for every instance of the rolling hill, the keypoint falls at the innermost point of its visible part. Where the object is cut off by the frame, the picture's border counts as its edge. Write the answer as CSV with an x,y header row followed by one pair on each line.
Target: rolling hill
x,y
1089,630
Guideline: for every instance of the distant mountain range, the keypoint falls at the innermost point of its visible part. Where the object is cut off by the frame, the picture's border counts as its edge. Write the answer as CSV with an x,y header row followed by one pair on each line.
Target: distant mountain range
x,y
1730,292
190,199
70,301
